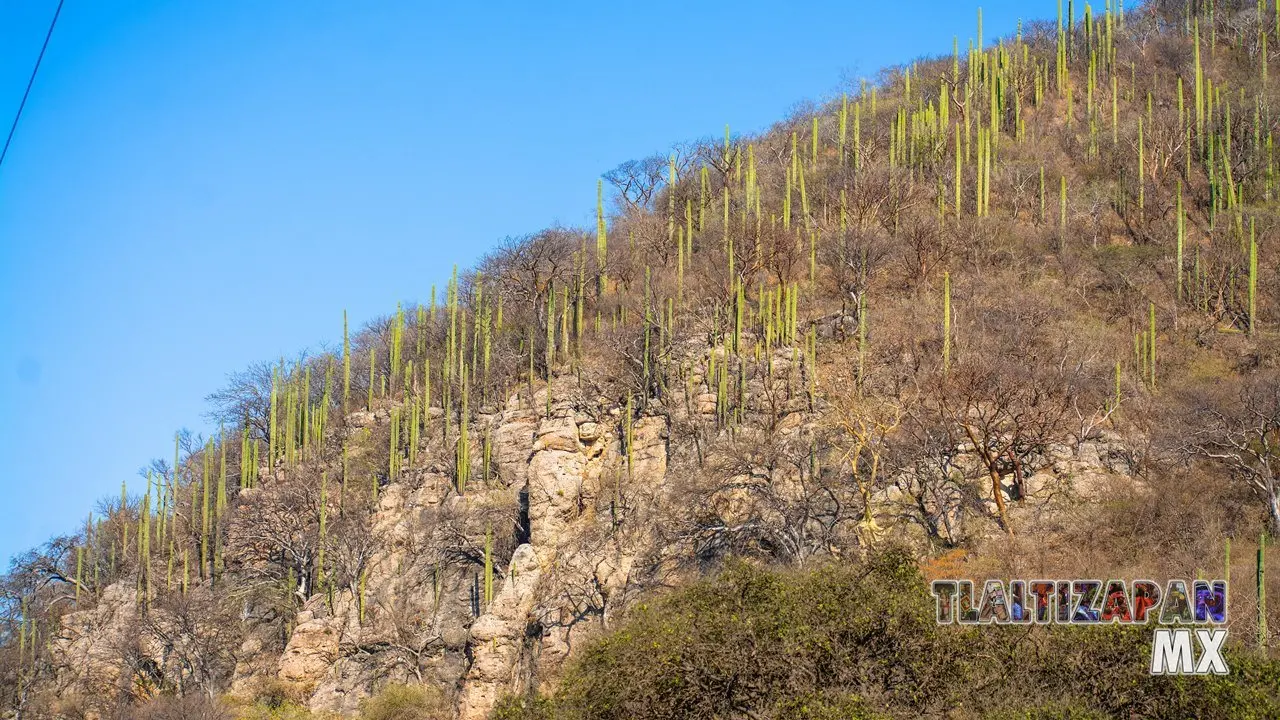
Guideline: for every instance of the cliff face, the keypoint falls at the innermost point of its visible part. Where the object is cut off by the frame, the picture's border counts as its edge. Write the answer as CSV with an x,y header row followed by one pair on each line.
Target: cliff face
x,y
576,528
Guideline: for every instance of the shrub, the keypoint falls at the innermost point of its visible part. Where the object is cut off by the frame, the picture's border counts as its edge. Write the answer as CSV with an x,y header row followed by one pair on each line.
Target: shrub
x,y
189,707
407,702
274,693
860,642
533,706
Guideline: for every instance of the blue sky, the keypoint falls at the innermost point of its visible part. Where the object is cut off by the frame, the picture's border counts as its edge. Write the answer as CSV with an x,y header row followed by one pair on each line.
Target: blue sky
x,y
198,186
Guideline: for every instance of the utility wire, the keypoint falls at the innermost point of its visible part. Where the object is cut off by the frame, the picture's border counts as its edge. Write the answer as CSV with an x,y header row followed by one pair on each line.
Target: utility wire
x,y
31,82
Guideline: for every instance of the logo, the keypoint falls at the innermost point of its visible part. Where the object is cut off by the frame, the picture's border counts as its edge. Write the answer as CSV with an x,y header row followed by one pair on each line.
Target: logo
x,y
1093,602
1171,652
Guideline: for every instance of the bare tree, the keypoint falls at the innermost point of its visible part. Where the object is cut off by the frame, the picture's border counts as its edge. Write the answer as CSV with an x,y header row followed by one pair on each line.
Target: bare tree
x,y
1004,410
277,535
199,633
524,269
773,495
1241,431
246,399
638,181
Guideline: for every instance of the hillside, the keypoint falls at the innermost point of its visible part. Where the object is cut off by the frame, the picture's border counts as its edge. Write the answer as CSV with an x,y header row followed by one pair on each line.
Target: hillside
x,y
1001,313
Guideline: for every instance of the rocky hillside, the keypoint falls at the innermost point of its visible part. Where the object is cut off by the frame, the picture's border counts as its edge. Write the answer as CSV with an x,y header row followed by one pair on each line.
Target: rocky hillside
x,y
1010,308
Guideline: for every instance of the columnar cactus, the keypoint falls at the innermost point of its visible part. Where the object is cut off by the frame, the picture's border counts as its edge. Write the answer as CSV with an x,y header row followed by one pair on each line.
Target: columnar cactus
x,y
946,321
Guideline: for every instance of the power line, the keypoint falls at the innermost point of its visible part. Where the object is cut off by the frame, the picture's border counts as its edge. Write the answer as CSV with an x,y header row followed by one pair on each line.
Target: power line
x,y
30,82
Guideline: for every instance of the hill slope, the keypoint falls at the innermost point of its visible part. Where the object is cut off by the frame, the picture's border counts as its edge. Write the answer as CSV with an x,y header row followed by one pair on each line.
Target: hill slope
x,y
1014,305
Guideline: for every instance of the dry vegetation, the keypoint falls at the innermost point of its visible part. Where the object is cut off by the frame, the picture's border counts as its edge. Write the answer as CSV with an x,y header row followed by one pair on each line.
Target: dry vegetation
x,y
1067,238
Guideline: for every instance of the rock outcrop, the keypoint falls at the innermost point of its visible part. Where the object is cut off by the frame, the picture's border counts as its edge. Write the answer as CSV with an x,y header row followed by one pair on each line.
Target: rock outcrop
x,y
572,509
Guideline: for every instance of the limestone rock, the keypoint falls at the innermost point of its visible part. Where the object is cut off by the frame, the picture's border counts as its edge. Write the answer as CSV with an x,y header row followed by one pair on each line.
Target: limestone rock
x,y
312,648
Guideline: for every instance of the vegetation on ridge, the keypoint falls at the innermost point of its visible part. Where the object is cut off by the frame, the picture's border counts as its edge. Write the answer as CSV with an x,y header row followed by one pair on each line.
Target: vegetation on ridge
x,y
859,642
888,270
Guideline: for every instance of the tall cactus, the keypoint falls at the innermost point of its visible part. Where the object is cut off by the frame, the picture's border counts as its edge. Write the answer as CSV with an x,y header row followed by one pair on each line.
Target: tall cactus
x,y
1142,183
1253,281
346,365
272,446
397,348
488,567
1116,401
220,505
1151,345
1182,235
601,238
324,537
464,442
946,321
862,339
373,369
1261,580
393,452
1062,207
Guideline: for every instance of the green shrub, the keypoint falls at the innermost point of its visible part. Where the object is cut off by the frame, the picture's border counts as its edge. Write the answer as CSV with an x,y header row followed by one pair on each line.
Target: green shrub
x,y
825,706
274,693
283,711
196,706
1054,711
533,706
275,699
859,641
407,702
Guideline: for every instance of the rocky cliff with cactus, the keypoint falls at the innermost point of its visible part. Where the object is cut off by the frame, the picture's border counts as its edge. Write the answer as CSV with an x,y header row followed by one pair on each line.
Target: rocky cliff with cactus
x,y
995,309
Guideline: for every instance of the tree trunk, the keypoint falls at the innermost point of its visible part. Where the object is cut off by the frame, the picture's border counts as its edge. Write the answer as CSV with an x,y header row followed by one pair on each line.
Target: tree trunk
x,y
996,491
1273,510
1000,505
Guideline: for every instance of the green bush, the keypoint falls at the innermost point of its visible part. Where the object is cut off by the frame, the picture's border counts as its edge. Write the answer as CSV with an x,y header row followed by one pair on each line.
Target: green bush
x,y
283,711
407,702
533,706
273,693
825,706
196,706
275,699
858,642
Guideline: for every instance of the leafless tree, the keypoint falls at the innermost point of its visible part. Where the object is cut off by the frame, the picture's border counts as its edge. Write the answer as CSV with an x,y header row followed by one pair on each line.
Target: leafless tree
x,y
1006,410
199,633
245,401
638,181
1240,430
772,495
277,533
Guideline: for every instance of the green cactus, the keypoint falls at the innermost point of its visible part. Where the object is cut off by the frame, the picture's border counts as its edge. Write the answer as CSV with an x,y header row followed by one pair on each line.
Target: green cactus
x,y
393,469
946,321
1062,207
1261,586
1151,345
220,505
346,365
1116,402
206,515
1142,183
1182,234
1200,88
601,238
862,339
361,589
373,368
1253,280
324,536
488,567
273,447
463,456
959,170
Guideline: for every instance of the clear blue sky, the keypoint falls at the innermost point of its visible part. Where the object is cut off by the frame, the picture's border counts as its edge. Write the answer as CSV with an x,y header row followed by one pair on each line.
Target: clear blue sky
x,y
196,186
